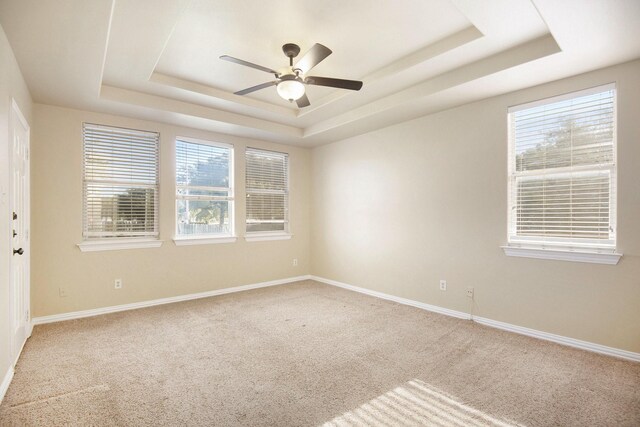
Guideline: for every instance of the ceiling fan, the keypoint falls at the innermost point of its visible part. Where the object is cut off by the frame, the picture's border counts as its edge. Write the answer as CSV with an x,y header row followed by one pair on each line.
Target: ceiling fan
x,y
291,82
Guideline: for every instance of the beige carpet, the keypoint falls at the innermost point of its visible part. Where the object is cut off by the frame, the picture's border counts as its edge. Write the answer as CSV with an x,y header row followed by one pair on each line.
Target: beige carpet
x,y
308,354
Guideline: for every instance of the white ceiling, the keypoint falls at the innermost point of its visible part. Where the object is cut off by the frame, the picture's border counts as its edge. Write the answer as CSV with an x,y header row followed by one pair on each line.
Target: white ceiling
x,y
158,59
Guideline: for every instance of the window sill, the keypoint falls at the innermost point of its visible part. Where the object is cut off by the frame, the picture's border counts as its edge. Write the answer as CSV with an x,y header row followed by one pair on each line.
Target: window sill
x,y
575,255
261,237
107,245
188,241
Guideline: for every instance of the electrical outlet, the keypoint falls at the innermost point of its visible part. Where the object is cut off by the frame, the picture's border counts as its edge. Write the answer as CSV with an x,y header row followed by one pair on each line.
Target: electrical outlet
x,y
62,292
118,284
295,262
443,285
470,293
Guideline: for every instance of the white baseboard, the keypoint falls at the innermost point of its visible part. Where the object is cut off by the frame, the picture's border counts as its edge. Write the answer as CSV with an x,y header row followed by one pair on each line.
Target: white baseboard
x,y
113,309
404,301
584,345
5,383
572,342
9,375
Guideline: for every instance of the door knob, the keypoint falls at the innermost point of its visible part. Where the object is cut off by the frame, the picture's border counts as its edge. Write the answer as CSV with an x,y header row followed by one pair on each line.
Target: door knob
x,y
18,251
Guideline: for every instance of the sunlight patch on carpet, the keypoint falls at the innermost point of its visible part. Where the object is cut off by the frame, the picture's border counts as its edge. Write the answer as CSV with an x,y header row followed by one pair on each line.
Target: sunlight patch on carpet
x,y
417,403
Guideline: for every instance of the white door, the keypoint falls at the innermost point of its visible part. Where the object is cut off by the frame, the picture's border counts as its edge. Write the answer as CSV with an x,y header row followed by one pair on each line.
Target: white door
x,y
19,204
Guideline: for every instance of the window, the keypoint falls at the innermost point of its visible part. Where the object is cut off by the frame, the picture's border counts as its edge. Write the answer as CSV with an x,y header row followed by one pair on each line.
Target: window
x,y
120,183
204,190
562,172
267,186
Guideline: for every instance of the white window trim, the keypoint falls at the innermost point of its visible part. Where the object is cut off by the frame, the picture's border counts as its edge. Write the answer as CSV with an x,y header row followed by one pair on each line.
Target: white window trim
x,y
566,254
118,244
262,237
203,240
522,247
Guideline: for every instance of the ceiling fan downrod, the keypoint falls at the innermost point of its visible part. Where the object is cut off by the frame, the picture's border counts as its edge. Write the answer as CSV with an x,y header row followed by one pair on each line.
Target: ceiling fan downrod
x,y
291,50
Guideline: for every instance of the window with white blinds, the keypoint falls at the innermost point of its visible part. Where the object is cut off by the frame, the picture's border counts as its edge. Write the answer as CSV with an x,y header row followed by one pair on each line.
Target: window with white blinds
x,y
120,183
204,191
562,164
267,187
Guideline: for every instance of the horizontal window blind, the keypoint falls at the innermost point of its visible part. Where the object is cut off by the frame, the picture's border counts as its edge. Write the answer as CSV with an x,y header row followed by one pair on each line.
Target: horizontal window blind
x,y
120,182
204,196
563,172
267,187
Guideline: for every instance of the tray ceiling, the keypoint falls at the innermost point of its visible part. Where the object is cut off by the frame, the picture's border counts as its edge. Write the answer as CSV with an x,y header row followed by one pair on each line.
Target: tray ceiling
x,y
158,59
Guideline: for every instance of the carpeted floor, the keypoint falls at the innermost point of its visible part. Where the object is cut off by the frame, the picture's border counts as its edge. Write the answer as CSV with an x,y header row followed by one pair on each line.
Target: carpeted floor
x,y
308,354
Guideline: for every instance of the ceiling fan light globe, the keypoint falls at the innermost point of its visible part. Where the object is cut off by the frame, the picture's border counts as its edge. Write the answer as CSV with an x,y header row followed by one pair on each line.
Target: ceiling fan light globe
x,y
291,90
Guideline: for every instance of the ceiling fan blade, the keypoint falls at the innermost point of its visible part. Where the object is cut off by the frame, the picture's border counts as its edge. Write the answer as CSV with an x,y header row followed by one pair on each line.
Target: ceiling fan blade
x,y
303,101
248,64
339,83
255,88
312,58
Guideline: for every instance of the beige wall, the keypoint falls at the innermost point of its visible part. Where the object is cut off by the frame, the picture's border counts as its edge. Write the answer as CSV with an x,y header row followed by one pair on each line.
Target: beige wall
x,y
146,273
398,209
12,85
394,210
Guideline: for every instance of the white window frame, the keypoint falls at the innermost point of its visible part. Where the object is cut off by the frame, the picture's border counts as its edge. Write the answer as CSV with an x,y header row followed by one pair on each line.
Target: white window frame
x,y
204,239
587,250
259,236
95,243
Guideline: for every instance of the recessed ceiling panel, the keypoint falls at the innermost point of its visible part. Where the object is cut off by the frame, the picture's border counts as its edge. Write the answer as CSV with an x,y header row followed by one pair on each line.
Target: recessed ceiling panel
x,y
364,35
158,59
